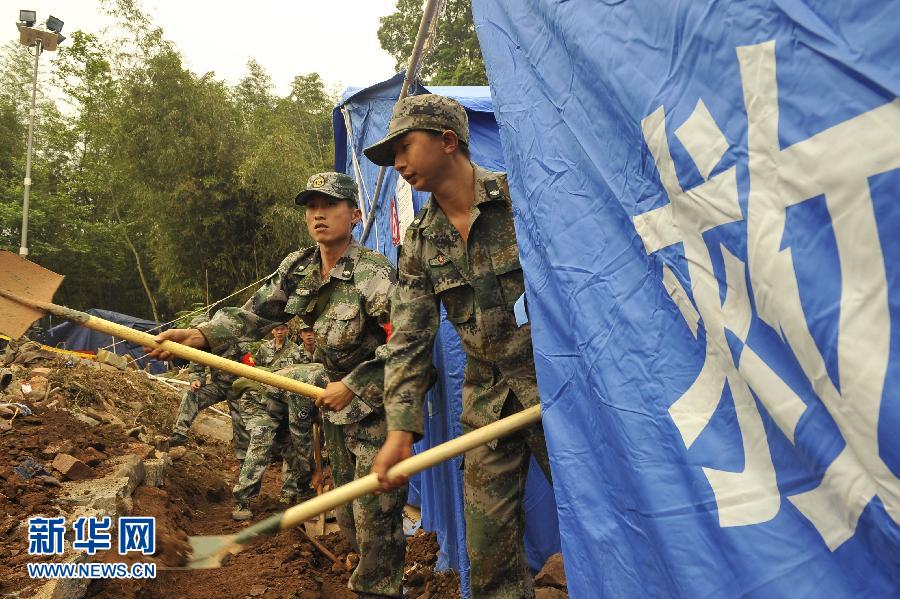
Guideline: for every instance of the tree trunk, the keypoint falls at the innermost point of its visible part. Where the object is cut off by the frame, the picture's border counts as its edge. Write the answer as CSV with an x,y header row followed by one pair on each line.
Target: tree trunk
x,y
137,260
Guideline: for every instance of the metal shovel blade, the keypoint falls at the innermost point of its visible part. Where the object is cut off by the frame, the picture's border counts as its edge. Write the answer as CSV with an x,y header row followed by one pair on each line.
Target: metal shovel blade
x,y
26,279
209,551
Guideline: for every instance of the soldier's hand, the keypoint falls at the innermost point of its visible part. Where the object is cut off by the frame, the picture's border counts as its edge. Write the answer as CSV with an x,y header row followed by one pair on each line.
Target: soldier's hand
x,y
397,447
335,396
195,385
189,337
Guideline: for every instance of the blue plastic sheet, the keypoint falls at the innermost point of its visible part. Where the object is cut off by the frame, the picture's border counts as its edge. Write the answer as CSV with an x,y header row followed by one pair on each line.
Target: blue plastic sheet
x,y
439,490
77,338
706,206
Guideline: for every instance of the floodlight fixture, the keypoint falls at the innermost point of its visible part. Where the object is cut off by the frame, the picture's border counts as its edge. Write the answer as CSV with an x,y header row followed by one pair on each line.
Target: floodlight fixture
x,y
54,24
60,38
28,17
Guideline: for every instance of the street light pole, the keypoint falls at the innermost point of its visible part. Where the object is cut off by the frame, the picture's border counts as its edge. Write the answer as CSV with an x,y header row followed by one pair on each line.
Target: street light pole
x,y
23,248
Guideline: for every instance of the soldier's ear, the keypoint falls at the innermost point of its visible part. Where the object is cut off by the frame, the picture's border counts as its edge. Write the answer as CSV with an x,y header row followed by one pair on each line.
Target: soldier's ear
x,y
450,141
356,217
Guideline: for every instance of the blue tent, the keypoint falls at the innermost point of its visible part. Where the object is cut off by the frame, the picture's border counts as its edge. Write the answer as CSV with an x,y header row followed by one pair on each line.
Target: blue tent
x,y
707,215
77,338
438,490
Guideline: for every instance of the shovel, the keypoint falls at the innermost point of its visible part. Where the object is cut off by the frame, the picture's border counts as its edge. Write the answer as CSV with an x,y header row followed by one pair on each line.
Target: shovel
x,y
208,551
320,471
26,290
25,293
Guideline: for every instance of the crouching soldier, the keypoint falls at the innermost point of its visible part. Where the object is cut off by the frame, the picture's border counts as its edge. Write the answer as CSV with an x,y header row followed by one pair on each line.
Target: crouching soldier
x,y
201,395
266,412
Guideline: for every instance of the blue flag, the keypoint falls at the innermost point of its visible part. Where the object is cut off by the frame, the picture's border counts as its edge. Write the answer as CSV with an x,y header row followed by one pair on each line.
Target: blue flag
x,y
707,208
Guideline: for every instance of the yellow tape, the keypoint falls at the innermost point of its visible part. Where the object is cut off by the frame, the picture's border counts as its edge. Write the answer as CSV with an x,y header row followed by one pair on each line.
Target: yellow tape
x,y
57,350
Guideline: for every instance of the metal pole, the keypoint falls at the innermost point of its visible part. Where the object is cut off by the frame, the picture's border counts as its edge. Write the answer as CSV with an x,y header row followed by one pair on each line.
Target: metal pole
x,y
428,16
23,248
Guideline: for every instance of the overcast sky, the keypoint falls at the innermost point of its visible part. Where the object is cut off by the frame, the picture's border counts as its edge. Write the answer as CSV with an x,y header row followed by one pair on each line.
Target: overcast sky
x,y
336,38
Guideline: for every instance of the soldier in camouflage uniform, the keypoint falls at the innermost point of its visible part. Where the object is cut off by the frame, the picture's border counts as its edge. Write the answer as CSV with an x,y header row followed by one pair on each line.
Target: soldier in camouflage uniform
x,y
270,419
342,290
201,395
460,250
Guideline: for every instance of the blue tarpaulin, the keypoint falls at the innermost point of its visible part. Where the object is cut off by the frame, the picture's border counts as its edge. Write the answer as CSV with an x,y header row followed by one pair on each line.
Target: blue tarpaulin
x,y
439,490
706,206
77,338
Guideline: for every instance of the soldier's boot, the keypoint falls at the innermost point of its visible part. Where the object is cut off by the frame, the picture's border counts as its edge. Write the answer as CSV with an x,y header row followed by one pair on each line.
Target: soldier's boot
x,y
177,440
241,512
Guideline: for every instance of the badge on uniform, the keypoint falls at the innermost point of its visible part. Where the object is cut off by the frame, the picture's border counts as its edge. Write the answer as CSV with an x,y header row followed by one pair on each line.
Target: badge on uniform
x,y
318,181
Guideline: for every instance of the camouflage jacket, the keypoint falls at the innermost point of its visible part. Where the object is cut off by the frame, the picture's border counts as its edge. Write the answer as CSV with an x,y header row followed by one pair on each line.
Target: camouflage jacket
x,y
347,309
197,372
290,353
478,282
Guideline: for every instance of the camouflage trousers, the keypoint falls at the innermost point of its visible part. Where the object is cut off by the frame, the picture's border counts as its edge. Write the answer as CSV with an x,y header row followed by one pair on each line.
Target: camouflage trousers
x,y
373,525
194,401
494,485
276,420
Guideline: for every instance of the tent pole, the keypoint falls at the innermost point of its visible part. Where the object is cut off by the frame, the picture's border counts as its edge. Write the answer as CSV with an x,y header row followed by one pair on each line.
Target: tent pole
x,y
428,17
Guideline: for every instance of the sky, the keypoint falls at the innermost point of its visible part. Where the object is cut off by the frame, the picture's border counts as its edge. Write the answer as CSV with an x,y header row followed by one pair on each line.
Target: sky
x,y
335,38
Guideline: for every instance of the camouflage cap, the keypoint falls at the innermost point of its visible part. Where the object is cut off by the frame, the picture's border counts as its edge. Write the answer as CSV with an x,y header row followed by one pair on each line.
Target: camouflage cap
x,y
428,111
336,185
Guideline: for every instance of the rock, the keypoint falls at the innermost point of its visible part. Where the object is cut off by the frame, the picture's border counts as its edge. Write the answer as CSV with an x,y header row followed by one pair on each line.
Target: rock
x,y
44,372
47,480
142,450
39,385
351,561
6,412
549,593
337,568
176,453
85,418
65,588
5,426
109,495
553,574
155,472
64,446
258,590
415,578
104,416
132,468
92,457
72,468
135,432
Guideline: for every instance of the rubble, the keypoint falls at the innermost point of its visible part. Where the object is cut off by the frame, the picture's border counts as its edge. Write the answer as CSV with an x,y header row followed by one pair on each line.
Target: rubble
x,y
553,574
71,468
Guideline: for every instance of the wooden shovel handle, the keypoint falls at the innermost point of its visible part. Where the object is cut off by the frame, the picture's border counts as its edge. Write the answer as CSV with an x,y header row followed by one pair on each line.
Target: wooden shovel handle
x,y
182,351
367,484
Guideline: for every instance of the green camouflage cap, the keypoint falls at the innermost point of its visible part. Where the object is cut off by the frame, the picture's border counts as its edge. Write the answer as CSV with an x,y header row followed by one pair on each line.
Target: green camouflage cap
x,y
336,185
427,111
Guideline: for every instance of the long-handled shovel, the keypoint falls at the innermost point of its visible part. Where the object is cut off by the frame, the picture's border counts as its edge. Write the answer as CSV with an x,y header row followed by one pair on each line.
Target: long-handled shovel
x,y
208,551
27,289
316,431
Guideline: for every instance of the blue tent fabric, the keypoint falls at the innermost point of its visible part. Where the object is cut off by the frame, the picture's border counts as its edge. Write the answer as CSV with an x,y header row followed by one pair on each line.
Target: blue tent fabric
x,y
77,338
706,209
439,490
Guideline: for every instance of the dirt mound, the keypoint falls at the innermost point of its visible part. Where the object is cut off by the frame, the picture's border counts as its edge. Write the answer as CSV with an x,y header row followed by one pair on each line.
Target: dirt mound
x,y
30,447
84,419
421,579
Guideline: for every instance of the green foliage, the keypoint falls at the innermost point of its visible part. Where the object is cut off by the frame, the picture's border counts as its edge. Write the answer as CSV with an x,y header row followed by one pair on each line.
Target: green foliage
x,y
455,55
154,179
